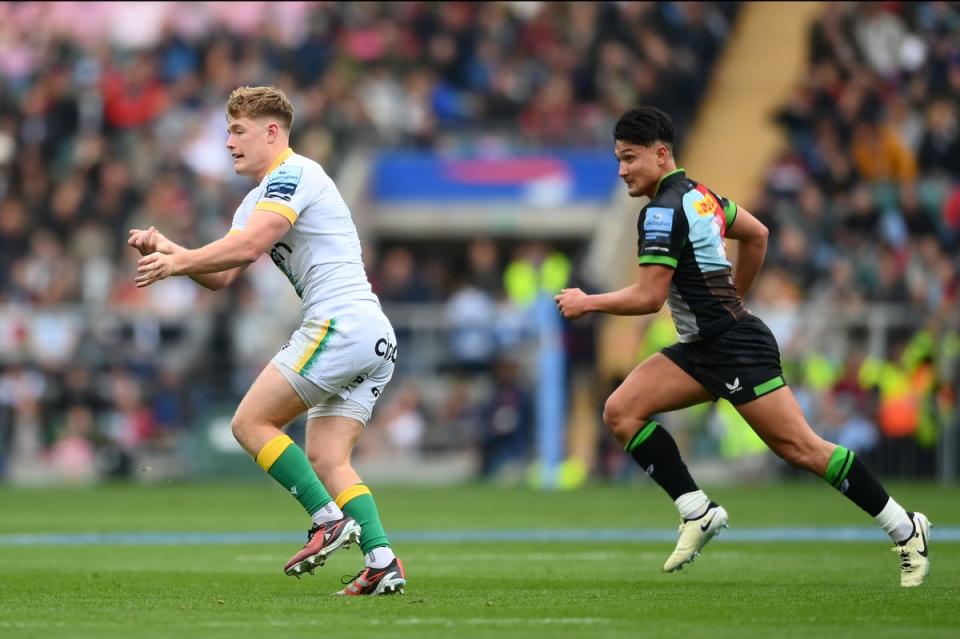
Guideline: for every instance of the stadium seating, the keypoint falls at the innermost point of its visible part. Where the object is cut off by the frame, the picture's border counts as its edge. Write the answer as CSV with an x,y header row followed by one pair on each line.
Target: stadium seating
x,y
106,126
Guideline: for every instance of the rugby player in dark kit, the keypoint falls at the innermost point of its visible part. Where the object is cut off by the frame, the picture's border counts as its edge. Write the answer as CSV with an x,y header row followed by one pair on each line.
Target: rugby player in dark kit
x,y
724,351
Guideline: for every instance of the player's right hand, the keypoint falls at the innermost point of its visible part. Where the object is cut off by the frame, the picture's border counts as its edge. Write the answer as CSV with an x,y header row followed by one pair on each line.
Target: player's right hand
x,y
145,241
572,303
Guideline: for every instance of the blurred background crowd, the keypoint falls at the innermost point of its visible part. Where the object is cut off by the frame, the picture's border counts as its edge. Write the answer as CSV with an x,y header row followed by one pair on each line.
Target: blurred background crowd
x,y
111,117
864,208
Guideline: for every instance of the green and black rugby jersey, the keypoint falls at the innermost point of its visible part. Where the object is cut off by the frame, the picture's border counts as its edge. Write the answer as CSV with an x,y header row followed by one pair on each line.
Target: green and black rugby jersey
x,y
683,227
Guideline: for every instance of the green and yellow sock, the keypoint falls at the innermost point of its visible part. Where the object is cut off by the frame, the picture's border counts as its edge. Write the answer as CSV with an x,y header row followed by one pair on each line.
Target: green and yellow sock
x,y
357,501
285,461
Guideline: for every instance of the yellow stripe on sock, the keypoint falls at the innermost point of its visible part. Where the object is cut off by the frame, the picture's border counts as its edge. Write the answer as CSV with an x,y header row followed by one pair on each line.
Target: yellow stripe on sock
x,y
351,493
271,452
313,348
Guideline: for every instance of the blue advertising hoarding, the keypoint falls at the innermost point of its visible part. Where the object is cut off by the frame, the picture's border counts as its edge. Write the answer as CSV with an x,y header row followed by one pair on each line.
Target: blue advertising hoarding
x,y
547,179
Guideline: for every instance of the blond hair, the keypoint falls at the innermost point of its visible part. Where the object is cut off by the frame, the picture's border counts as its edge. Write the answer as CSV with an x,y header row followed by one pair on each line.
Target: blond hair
x,y
259,102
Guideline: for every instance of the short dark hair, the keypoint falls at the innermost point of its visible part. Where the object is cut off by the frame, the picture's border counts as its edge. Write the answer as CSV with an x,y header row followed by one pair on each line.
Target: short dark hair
x,y
644,126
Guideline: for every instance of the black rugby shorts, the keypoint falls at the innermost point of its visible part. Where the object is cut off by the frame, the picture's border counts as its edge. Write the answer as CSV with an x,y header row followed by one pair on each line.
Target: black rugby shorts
x,y
739,365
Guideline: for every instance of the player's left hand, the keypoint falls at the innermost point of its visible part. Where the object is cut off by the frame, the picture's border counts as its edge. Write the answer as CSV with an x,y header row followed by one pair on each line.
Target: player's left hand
x,y
572,303
153,268
144,241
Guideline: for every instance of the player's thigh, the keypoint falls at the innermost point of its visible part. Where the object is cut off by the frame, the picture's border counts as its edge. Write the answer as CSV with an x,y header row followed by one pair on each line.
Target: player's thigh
x,y
779,421
271,401
656,385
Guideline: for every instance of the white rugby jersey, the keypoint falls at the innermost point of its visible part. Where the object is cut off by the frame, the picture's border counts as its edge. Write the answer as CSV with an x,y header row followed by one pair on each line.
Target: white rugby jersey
x,y
320,254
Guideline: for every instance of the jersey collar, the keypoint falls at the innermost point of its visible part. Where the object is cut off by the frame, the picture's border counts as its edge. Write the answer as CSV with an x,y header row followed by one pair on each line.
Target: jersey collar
x,y
666,176
281,159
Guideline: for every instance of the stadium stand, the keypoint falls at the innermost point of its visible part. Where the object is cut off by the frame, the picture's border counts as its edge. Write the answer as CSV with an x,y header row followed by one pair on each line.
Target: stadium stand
x,y
862,210
105,126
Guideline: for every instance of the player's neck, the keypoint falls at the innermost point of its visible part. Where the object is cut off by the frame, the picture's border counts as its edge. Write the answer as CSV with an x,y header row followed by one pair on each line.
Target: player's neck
x,y
670,166
278,157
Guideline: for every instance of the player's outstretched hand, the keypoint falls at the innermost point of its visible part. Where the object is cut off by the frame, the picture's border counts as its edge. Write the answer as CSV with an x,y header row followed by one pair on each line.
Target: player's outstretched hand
x,y
151,241
153,268
572,303
144,241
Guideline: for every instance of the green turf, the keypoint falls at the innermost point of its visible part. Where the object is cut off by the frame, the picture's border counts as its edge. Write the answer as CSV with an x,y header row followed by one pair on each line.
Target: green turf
x,y
736,589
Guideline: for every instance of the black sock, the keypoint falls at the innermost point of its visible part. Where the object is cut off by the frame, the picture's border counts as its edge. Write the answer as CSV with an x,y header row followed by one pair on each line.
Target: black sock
x,y
851,477
656,452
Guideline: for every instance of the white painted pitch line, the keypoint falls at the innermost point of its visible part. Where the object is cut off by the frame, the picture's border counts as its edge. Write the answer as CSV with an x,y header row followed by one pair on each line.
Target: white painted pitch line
x,y
417,621
480,621
594,536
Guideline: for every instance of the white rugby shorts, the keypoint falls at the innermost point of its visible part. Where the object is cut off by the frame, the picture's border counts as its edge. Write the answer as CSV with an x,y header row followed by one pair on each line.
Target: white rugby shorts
x,y
340,365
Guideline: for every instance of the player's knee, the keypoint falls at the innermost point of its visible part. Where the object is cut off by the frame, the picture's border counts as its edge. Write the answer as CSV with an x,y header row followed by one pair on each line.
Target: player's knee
x,y
241,428
237,428
326,463
618,419
322,461
611,414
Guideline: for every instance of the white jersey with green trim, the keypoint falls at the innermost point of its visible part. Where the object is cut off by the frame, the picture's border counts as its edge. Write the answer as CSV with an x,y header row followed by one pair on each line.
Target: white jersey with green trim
x,y
320,254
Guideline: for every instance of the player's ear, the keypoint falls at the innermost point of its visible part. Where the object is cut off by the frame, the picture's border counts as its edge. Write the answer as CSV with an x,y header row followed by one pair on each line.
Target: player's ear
x,y
663,153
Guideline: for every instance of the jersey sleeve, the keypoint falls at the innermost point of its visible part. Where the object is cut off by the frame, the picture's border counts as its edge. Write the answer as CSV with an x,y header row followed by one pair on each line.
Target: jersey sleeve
x,y
285,193
662,234
729,209
239,219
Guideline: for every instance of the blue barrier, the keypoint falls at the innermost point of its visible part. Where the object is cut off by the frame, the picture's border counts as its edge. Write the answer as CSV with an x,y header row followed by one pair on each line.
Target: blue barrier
x,y
546,178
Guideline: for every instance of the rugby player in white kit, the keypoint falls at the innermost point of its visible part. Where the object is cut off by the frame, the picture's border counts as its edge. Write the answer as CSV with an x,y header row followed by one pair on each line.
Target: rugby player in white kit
x,y
334,366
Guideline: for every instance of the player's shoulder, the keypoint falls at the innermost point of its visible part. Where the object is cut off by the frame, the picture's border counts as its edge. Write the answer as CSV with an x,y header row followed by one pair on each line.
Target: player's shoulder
x,y
670,197
296,174
300,166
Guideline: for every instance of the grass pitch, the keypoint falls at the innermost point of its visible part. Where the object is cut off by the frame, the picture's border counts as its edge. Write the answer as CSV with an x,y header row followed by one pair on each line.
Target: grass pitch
x,y
212,583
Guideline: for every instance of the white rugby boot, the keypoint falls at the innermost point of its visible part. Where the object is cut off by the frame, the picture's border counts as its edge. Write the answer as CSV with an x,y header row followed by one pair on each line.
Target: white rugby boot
x,y
914,560
694,535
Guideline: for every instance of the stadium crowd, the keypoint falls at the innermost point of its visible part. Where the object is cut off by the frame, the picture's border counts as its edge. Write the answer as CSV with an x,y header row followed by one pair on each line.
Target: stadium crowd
x,y
864,207
111,117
